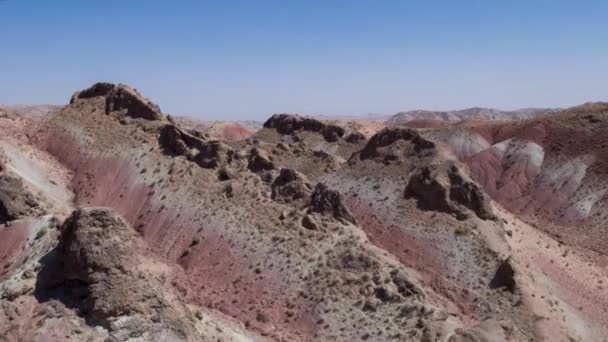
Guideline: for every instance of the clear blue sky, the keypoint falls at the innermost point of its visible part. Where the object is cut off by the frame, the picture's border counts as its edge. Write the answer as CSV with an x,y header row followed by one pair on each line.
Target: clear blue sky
x,y
249,59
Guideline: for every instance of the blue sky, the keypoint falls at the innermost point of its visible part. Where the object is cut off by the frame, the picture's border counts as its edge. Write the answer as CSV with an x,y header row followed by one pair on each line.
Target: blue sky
x,y
249,59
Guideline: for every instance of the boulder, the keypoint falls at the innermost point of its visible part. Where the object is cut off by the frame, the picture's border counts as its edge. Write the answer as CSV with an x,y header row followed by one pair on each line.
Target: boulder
x,y
213,154
354,137
97,268
290,186
258,160
329,202
504,277
15,200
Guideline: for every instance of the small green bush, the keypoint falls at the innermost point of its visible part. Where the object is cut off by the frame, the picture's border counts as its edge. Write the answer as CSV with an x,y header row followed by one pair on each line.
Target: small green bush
x,y
42,232
459,231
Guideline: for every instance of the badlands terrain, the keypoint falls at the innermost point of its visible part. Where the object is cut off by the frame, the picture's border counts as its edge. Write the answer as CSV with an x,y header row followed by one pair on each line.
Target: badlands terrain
x,y
121,223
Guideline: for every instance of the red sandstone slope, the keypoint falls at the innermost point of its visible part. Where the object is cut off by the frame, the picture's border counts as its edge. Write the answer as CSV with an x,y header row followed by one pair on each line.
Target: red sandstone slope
x,y
307,231
550,170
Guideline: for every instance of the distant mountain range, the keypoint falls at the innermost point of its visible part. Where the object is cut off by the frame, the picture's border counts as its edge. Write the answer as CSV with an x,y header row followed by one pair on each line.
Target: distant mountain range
x,y
458,115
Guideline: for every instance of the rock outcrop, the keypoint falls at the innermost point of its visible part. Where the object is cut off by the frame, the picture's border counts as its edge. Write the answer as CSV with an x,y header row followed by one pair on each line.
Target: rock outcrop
x,y
443,188
504,278
214,154
15,200
122,100
288,124
259,160
469,194
290,186
207,154
380,145
354,137
99,268
172,141
329,202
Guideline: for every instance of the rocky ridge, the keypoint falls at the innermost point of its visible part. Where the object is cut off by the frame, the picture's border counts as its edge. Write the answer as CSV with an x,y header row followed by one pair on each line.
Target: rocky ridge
x,y
305,231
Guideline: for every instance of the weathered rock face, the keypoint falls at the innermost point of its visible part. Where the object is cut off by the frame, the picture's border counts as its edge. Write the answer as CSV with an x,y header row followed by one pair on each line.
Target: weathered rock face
x,y
289,268
96,90
354,137
379,146
98,262
15,200
428,191
443,188
122,100
288,124
172,141
96,250
258,160
290,186
213,154
329,202
207,154
469,194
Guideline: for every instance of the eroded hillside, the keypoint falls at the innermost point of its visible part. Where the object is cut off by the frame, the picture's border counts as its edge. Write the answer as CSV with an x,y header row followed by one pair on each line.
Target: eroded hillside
x,y
118,223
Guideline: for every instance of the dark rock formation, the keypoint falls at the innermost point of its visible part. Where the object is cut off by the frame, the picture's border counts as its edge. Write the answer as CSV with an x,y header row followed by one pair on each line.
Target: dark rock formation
x,y
389,136
258,160
309,223
172,135
504,277
438,189
213,154
354,137
329,202
226,173
171,140
404,286
332,133
98,89
122,100
469,194
207,154
429,193
290,186
288,124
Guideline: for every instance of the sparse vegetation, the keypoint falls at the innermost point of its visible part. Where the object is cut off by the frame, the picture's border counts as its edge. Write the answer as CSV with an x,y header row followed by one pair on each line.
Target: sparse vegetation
x,y
41,233
261,317
460,231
